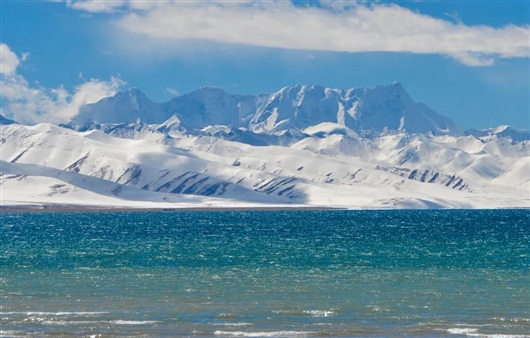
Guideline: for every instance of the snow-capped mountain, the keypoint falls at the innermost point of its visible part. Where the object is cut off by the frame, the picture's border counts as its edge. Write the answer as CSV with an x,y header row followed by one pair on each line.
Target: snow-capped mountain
x,y
379,110
514,134
304,145
372,111
128,106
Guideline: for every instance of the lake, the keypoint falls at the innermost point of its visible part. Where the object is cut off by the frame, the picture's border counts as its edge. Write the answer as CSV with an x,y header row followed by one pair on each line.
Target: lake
x,y
454,273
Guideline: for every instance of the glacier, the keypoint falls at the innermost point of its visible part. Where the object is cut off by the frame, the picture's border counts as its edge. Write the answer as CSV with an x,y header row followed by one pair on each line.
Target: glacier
x,y
303,146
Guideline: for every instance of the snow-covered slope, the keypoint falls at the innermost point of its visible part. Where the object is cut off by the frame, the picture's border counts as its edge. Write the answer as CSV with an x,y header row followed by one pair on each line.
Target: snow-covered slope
x,y
141,165
128,106
501,131
30,184
373,111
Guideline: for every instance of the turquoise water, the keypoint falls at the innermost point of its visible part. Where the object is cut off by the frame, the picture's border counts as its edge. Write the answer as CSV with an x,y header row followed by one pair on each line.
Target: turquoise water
x,y
276,274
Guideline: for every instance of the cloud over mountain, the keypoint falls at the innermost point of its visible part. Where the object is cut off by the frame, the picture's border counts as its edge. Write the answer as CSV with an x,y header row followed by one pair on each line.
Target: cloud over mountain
x,y
28,103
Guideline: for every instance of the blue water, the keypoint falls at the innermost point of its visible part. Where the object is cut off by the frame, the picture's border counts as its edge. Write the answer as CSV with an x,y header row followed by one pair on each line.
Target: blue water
x,y
278,273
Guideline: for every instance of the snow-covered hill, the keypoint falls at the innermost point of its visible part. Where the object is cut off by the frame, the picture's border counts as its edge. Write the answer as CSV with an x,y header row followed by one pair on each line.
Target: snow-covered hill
x,y
302,146
337,170
501,131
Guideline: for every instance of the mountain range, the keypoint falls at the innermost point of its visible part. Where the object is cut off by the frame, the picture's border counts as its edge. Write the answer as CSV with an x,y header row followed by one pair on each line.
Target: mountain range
x,y
300,146
373,111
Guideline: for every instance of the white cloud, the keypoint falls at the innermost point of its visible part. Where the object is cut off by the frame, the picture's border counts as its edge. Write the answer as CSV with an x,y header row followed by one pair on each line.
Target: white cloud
x,y
337,26
25,56
8,61
454,15
27,104
110,6
474,60
172,91
95,6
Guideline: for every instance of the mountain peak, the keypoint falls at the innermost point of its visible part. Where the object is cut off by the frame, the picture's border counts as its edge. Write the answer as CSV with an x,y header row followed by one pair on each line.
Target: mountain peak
x,y
173,120
501,131
132,92
127,106
395,87
135,90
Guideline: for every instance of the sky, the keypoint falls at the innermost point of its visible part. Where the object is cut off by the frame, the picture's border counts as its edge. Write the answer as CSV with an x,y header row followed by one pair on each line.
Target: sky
x,y
468,60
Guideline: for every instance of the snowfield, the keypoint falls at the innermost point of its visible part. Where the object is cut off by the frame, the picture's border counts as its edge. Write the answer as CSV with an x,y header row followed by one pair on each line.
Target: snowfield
x,y
226,156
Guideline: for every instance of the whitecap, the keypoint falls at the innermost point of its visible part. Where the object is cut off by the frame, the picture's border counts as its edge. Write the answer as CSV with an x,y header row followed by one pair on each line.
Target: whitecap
x,y
69,322
504,319
264,334
461,330
502,335
93,313
6,334
133,322
37,313
320,313
473,333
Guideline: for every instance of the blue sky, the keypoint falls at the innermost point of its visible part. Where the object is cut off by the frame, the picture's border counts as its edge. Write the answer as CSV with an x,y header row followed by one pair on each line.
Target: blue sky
x,y
466,60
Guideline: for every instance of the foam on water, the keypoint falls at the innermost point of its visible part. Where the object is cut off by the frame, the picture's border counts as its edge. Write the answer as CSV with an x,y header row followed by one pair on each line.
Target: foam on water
x,y
320,313
41,313
462,331
134,322
504,319
69,322
9,334
264,334
471,332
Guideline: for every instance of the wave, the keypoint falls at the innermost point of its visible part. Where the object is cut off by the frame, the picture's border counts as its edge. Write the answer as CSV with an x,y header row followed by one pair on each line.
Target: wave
x,y
312,313
67,322
37,313
91,322
320,313
471,332
133,322
264,334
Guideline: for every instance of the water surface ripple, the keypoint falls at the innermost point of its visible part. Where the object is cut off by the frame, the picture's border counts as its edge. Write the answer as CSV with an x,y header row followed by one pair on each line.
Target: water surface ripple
x,y
453,273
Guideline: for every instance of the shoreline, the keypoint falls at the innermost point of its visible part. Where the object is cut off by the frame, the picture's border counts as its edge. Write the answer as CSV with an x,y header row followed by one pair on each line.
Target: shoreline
x,y
88,208
42,208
